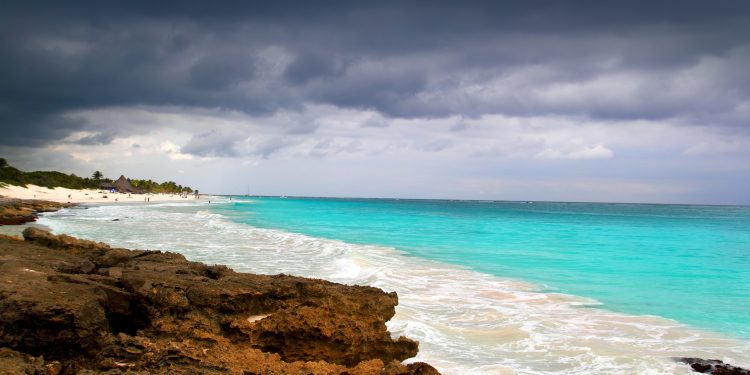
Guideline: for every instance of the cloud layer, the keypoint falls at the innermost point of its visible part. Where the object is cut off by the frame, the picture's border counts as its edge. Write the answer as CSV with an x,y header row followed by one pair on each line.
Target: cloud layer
x,y
638,60
455,82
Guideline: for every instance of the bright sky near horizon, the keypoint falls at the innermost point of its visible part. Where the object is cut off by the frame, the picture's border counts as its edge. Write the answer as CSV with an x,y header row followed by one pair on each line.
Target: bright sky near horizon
x,y
636,101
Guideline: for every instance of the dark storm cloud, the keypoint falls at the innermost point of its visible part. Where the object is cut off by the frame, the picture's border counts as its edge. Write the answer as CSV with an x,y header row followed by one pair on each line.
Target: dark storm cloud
x,y
309,66
217,72
96,139
672,59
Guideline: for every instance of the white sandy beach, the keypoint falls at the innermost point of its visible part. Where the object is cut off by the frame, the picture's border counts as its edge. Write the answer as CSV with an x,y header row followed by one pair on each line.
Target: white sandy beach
x,y
60,194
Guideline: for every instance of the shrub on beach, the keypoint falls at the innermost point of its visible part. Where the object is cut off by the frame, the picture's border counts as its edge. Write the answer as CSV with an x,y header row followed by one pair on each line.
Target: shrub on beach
x,y
11,175
50,179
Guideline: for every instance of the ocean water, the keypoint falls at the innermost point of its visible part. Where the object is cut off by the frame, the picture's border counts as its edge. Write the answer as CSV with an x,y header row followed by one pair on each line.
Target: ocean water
x,y
488,287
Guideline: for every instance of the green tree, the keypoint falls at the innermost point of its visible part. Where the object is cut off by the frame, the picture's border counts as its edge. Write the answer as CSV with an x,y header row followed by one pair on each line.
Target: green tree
x,y
3,163
97,175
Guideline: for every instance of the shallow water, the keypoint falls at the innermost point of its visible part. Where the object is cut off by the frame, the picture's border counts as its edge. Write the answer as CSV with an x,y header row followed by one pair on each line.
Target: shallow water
x,y
466,321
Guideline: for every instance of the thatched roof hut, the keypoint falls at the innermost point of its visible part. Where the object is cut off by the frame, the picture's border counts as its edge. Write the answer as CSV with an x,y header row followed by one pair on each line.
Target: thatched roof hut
x,y
122,185
106,185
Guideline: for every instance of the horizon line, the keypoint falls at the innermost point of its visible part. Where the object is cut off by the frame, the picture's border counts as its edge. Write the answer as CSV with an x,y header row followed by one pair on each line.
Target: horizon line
x,y
527,201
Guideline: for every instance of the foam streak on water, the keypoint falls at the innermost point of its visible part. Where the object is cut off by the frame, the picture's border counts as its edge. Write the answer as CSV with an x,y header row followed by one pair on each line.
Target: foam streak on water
x,y
467,322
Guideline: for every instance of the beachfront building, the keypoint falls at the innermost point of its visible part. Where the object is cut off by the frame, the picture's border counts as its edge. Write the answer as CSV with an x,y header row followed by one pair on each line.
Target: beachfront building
x,y
108,186
121,185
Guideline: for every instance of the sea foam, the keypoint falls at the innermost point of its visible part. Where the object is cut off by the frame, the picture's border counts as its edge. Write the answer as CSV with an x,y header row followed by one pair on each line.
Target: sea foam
x,y
467,322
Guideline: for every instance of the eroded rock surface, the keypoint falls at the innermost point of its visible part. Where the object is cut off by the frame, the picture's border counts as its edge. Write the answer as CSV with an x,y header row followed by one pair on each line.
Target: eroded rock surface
x,y
713,367
71,306
19,211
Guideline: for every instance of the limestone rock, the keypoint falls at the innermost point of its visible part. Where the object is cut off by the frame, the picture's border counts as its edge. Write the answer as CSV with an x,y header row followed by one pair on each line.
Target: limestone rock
x,y
713,366
76,306
19,211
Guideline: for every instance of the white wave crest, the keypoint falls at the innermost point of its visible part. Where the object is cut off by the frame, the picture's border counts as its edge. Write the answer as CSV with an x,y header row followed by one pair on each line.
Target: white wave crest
x,y
467,322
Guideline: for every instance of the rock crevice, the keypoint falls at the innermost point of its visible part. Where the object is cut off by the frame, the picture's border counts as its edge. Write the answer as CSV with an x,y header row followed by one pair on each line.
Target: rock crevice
x,y
70,306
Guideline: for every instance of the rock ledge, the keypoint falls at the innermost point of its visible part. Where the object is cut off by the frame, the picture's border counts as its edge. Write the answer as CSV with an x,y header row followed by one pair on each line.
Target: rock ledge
x,y
713,366
72,306
19,211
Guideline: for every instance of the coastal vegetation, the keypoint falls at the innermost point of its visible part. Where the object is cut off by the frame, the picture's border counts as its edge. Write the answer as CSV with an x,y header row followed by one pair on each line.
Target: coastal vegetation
x,y
51,179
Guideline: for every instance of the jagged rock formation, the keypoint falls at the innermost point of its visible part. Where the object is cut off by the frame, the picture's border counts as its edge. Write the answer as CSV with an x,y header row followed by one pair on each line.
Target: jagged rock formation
x,y
75,306
19,211
713,367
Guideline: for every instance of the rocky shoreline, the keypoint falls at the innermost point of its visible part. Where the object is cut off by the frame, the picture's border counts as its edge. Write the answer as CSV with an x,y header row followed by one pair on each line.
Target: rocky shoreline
x,y
713,366
20,211
70,306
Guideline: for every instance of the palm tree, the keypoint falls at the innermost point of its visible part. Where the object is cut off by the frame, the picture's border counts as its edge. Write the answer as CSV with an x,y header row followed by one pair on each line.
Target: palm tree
x,y
97,175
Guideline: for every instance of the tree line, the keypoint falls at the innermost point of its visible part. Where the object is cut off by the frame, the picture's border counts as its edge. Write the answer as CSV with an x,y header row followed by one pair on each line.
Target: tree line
x,y
51,179
164,187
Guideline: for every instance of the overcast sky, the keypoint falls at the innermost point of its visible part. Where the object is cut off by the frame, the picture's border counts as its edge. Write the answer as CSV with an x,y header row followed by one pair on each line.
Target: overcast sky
x,y
630,101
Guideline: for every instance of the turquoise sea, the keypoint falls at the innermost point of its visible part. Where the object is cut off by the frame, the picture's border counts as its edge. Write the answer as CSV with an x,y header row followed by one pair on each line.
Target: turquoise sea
x,y
486,287
685,262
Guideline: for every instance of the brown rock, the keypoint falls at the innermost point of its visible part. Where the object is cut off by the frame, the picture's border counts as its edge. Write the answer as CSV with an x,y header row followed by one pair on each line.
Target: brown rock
x,y
19,211
13,362
86,307
713,366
